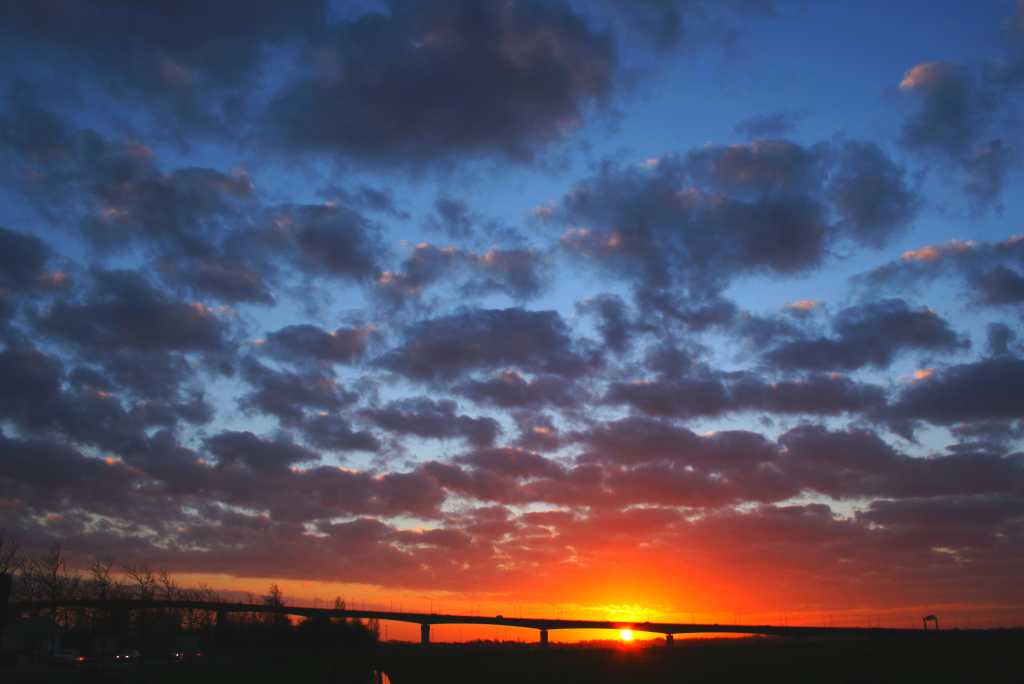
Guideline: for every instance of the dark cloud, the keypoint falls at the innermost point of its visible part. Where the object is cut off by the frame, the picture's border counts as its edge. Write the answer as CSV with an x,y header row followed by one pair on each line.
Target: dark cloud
x,y
191,63
453,218
650,461
976,515
422,84
425,417
815,394
870,193
519,273
613,321
957,121
510,389
987,168
1001,285
365,198
446,347
180,211
425,265
114,191
222,278
53,476
710,395
123,310
537,432
683,398
287,395
856,463
83,412
333,241
857,342
768,125
991,270
22,261
1000,337
947,120
308,342
512,462
683,227
667,24
260,455
762,166
334,433
978,391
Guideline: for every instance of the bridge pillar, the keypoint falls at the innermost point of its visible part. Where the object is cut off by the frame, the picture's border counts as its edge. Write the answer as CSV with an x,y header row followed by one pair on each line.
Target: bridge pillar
x,y
543,637
669,638
425,633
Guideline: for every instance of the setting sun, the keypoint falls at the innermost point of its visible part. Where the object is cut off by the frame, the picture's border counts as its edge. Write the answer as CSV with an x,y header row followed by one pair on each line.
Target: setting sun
x,y
626,634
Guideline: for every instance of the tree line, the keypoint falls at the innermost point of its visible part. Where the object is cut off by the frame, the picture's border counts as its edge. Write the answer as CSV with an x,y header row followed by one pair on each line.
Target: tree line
x,y
47,577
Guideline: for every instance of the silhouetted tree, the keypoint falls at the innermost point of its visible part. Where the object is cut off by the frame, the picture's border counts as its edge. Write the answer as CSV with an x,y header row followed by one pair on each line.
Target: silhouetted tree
x,y
275,599
10,556
144,583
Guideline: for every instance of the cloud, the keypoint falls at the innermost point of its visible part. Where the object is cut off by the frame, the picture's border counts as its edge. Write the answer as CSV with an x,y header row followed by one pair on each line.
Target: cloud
x,y
870,194
771,125
302,342
856,463
224,278
259,455
421,85
22,261
958,120
991,270
332,241
668,24
287,395
613,321
82,412
447,347
686,228
334,433
977,391
947,119
191,69
857,343
438,419
761,166
521,274
510,389
124,311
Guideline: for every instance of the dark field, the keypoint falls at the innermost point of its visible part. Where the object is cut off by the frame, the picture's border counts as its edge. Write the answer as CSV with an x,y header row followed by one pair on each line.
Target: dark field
x,y
944,657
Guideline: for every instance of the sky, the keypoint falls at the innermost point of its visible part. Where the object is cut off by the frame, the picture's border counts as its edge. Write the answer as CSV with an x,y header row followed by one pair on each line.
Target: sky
x,y
674,310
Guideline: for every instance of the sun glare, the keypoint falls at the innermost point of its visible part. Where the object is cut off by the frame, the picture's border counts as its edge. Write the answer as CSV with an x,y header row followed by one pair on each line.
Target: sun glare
x,y
626,634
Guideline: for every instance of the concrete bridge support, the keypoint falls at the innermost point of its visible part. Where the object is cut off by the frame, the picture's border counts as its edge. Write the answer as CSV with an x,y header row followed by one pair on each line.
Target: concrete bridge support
x,y
425,633
543,637
669,638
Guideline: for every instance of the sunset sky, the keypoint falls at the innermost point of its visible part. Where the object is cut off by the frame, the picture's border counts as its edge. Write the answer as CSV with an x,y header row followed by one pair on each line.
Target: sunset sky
x,y
694,309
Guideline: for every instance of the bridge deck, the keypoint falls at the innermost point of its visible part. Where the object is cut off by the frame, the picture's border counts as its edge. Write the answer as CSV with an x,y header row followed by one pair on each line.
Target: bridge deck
x,y
665,628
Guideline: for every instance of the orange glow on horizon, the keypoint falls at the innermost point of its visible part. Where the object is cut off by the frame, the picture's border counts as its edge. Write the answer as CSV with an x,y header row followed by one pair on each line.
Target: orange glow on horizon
x,y
626,634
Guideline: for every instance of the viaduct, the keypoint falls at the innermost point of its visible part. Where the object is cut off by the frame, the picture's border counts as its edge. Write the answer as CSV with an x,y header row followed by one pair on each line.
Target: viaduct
x,y
425,620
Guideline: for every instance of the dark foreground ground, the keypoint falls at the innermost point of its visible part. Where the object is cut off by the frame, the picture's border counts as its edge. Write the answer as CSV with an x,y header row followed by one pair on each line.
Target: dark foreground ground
x,y
943,657
952,658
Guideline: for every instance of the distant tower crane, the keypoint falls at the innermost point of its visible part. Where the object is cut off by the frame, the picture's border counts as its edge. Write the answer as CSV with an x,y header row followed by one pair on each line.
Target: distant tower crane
x,y
930,618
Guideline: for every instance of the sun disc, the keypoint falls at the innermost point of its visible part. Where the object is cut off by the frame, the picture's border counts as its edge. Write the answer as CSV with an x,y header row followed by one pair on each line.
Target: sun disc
x,y
626,634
